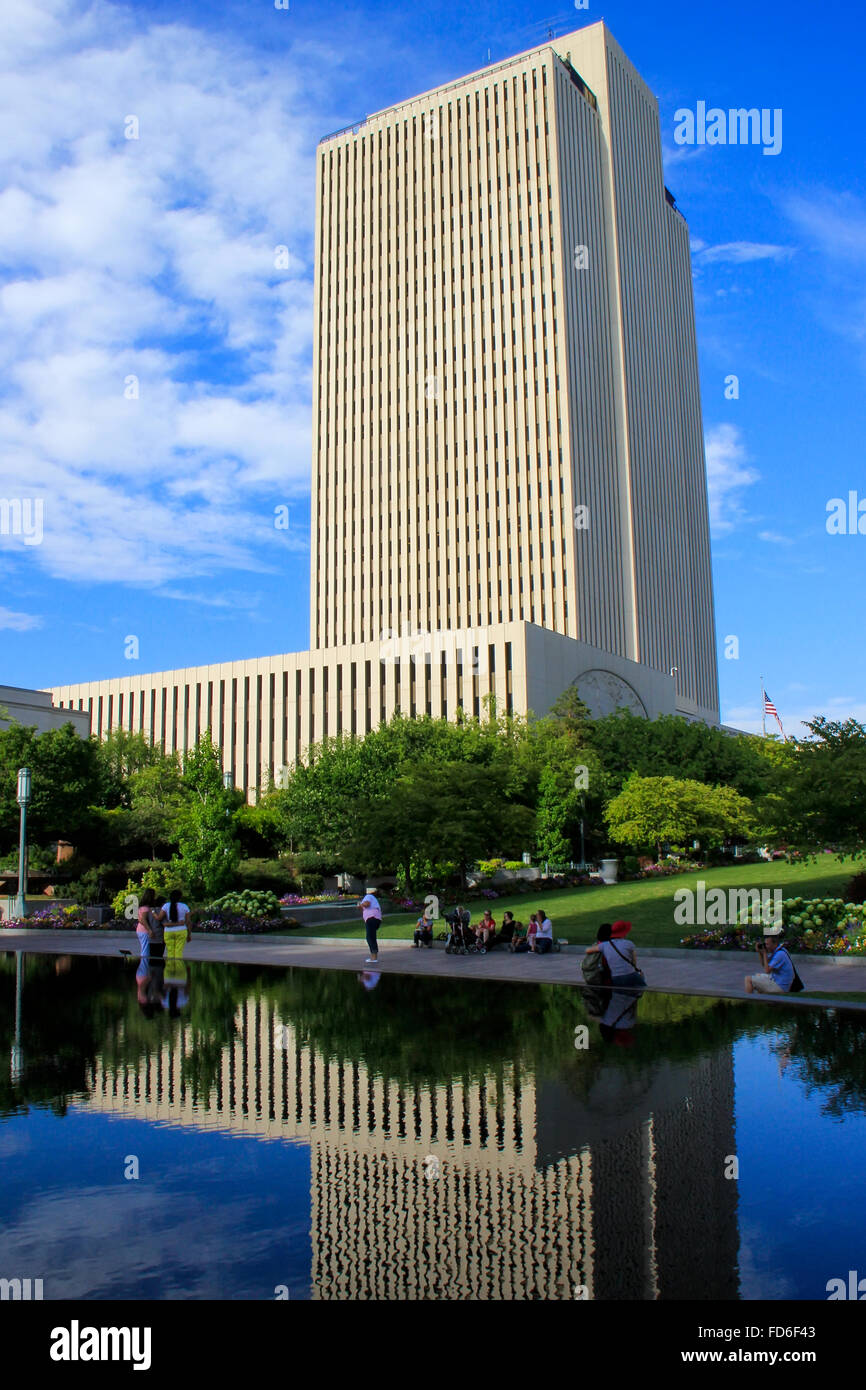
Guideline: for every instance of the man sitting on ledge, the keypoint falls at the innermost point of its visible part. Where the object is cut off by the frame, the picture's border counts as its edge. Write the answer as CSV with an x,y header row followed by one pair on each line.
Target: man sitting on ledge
x,y
777,974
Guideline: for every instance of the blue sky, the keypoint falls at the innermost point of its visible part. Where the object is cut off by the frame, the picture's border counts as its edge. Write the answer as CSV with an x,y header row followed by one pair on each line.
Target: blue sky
x,y
153,258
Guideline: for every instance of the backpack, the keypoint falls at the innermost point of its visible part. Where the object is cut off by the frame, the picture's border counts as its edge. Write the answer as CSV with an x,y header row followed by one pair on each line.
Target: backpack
x,y
595,969
796,984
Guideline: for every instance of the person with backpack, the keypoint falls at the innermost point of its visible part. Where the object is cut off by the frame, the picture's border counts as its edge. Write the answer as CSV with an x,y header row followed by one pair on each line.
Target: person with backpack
x,y
619,968
778,975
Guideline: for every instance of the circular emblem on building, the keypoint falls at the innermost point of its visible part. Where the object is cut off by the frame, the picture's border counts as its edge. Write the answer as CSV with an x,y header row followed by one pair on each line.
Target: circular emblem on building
x,y
603,693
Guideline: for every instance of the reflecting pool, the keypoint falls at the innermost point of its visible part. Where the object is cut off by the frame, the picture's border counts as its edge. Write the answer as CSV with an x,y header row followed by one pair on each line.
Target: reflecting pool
x,y
240,1132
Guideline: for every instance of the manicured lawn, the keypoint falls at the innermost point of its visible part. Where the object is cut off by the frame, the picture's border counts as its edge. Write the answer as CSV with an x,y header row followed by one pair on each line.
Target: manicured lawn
x,y
649,905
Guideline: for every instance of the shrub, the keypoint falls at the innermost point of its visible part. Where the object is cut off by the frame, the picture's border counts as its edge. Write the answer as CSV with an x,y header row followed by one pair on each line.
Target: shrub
x,y
153,877
249,902
488,867
630,864
278,875
312,883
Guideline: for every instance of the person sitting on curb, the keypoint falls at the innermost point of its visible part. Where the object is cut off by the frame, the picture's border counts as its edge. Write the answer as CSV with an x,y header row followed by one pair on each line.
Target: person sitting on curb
x,y
505,934
518,942
423,932
485,930
544,934
619,955
777,974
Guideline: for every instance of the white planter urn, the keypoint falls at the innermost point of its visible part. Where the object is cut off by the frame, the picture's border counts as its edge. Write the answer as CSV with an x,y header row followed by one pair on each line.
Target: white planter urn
x,y
609,870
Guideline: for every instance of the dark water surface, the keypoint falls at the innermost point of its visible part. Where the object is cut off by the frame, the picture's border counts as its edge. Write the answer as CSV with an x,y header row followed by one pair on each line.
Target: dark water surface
x,y
243,1132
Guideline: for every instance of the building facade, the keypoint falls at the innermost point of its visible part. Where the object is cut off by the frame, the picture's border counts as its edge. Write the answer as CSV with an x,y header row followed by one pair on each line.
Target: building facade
x,y
535,1192
508,474
36,709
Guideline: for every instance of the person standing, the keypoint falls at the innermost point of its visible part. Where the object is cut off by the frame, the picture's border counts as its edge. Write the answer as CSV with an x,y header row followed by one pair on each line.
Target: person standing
x,y
175,926
372,914
157,921
144,925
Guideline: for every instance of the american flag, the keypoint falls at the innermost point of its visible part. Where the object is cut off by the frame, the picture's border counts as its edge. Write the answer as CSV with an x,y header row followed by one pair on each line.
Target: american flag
x,y
770,708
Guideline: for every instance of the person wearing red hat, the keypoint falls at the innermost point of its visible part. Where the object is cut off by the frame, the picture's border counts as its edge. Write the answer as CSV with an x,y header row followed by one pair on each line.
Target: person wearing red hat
x,y
620,959
619,929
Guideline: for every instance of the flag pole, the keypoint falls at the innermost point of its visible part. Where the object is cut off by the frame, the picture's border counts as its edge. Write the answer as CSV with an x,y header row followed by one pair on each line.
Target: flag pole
x,y
763,709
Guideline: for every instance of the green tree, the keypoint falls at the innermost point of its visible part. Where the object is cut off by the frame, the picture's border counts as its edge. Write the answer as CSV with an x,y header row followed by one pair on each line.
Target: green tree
x,y
671,746
451,812
65,783
156,799
650,810
120,756
208,847
823,785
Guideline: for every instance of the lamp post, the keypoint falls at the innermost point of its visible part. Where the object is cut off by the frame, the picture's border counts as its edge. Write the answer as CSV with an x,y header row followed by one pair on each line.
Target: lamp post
x,y
16,1059
23,799
228,783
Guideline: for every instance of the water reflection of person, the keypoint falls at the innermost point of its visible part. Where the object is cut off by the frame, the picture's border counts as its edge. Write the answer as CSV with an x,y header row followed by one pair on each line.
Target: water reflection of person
x,y
150,986
176,991
619,1019
370,978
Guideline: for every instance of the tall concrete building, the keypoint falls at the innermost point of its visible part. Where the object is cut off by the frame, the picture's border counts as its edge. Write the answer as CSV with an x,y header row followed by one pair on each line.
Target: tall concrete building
x,y
508,481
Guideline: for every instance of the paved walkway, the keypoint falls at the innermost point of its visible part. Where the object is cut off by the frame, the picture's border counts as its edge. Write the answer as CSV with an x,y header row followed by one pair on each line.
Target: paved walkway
x,y
668,971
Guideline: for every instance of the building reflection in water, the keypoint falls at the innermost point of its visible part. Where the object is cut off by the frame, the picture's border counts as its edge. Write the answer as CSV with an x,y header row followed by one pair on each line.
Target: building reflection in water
x,y
511,1186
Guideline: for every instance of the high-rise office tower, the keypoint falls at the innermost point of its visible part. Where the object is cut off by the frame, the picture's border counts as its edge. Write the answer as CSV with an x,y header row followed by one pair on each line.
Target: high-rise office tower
x,y
505,334
508,479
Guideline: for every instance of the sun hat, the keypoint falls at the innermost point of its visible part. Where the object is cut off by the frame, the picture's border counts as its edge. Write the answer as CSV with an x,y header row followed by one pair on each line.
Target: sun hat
x,y
620,928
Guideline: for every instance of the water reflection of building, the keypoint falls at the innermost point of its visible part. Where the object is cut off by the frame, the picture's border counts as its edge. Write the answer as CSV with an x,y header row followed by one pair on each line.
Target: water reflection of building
x,y
505,1187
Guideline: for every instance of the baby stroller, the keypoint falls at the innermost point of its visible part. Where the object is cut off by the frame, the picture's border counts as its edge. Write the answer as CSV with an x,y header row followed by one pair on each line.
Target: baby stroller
x,y
461,937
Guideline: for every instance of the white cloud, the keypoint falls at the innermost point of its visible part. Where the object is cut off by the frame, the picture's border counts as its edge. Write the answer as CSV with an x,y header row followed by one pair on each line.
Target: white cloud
x,y
154,258
834,222
728,473
739,252
833,226
18,622
774,538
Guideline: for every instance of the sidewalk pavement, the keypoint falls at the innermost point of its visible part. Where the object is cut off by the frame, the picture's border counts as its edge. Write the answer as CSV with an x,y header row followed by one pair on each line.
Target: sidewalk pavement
x,y
668,970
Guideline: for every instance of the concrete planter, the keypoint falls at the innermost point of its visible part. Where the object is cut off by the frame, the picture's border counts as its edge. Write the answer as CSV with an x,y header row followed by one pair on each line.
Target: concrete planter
x,y
527,873
609,870
320,914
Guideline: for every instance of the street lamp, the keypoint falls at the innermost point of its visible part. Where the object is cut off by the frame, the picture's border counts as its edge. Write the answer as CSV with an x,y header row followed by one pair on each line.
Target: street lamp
x,y
228,784
23,799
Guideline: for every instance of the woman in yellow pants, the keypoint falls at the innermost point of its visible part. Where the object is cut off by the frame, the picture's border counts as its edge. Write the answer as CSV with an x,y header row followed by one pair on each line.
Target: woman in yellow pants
x,y
176,919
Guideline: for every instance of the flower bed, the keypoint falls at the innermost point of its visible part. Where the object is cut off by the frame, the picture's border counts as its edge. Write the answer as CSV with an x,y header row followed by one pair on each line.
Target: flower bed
x,y
58,919
307,900
825,926
240,924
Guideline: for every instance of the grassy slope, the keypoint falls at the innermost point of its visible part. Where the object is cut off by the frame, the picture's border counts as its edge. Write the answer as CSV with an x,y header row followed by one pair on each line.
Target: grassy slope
x,y
649,905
